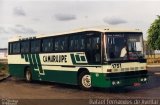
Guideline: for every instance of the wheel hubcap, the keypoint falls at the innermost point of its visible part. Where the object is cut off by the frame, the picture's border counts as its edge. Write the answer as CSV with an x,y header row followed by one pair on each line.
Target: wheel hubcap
x,y
86,81
28,75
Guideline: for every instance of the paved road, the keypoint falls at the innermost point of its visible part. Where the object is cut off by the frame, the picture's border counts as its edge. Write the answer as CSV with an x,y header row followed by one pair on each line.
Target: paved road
x,y
12,88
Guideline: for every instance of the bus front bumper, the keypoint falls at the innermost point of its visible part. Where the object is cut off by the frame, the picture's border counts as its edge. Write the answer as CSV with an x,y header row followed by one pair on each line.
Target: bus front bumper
x,y
135,78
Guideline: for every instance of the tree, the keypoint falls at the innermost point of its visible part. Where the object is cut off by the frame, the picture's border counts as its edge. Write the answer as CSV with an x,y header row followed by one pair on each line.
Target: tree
x,y
153,41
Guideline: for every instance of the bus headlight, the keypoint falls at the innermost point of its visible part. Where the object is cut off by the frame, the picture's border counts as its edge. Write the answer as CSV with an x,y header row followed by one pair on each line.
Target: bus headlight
x,y
113,82
145,79
118,82
141,79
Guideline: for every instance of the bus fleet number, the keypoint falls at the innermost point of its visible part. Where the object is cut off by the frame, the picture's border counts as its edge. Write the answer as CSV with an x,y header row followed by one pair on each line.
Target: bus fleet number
x,y
116,65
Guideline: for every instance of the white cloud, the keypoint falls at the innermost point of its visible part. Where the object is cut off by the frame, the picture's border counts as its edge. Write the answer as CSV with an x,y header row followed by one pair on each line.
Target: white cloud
x,y
20,29
3,30
65,17
114,21
18,11
17,29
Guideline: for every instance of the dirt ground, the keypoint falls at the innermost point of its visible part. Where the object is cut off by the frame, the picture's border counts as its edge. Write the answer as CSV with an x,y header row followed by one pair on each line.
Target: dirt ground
x,y
39,92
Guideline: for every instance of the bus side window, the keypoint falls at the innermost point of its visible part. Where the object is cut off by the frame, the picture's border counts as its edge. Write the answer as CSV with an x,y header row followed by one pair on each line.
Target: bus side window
x,y
16,47
93,49
56,45
35,46
73,43
61,44
47,45
77,43
96,46
81,43
65,43
25,46
89,43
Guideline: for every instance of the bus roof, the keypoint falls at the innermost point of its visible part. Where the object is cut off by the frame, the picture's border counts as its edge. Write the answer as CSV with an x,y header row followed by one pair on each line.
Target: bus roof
x,y
95,29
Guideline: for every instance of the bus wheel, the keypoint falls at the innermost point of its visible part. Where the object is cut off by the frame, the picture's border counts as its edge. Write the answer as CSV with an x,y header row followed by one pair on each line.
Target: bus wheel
x,y
85,81
28,75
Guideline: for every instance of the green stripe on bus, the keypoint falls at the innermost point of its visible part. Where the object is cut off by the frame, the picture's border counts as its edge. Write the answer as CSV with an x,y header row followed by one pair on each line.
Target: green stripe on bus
x,y
22,55
39,63
77,57
83,58
30,59
73,59
34,60
26,57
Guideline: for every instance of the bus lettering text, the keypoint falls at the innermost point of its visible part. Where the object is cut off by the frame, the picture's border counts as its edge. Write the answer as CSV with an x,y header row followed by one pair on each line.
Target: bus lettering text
x,y
55,58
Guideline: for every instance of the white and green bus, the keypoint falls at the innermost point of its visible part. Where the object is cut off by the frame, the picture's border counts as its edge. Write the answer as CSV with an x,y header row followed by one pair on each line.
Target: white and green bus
x,y
97,57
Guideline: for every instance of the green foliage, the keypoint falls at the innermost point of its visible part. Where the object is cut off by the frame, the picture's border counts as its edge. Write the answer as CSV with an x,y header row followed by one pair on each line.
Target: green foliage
x,y
153,41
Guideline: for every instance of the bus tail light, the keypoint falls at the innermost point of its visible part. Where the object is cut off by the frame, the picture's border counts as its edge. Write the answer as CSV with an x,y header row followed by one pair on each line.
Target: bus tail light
x,y
109,70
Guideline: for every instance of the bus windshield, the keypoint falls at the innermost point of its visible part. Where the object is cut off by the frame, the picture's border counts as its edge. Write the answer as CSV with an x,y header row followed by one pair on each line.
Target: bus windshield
x,y
124,46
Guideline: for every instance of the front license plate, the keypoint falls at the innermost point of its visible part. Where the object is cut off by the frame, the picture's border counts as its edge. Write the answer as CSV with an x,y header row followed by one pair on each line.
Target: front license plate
x,y
136,84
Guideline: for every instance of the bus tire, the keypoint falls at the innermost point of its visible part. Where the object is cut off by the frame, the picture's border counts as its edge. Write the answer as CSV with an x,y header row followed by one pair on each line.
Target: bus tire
x,y
85,80
28,75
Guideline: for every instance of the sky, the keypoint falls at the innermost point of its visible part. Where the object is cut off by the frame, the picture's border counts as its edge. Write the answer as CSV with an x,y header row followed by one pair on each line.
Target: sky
x,y
34,17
